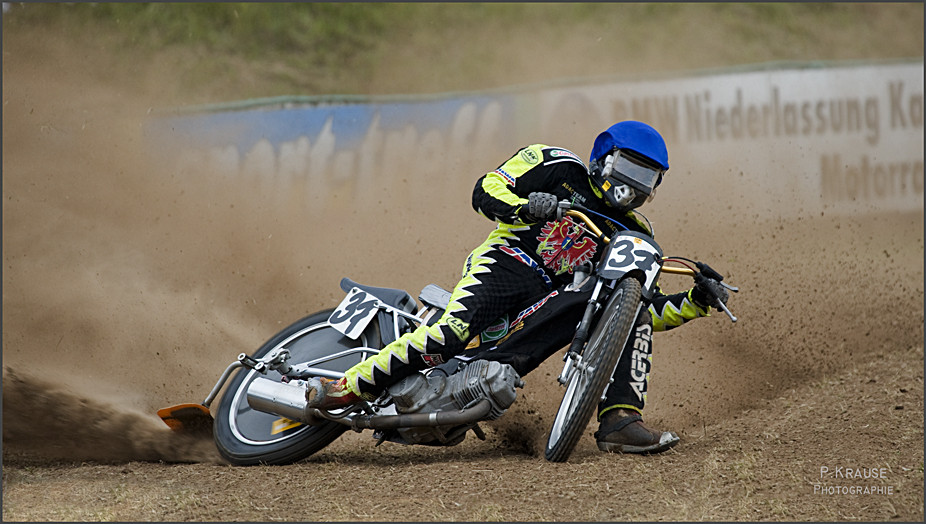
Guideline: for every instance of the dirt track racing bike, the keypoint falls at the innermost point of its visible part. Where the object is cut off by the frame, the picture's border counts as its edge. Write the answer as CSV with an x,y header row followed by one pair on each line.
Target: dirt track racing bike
x,y
262,417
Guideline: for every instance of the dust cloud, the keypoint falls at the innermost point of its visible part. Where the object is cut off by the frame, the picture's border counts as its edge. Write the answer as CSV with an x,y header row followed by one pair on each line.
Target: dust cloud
x,y
129,285
53,422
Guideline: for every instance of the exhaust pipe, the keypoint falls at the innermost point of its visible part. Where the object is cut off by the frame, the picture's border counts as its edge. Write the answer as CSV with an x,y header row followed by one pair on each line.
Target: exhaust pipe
x,y
469,415
288,400
278,398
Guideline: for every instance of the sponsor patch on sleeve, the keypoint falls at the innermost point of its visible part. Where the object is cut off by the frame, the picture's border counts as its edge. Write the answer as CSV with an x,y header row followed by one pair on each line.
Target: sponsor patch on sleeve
x,y
529,156
563,154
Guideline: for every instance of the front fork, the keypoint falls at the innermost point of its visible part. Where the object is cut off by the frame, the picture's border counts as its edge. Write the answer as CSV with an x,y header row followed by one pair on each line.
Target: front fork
x,y
573,357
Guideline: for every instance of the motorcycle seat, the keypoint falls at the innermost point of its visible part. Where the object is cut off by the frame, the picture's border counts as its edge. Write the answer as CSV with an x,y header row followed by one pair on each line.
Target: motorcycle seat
x,y
434,296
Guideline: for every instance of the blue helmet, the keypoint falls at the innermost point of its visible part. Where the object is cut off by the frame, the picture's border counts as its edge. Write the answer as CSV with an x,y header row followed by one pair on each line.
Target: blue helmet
x,y
627,163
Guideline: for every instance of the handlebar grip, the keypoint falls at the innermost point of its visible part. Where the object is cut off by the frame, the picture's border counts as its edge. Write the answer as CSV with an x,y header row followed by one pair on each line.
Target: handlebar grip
x,y
707,271
564,206
700,278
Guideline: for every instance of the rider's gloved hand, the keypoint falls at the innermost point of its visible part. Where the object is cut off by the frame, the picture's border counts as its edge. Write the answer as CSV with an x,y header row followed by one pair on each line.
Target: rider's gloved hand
x,y
707,292
540,206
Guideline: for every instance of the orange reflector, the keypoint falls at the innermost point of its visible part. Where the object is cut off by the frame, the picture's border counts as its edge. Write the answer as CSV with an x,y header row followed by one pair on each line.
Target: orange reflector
x,y
187,417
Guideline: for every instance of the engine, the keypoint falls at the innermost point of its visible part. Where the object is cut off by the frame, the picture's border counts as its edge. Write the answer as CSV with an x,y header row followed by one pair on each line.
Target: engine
x,y
436,391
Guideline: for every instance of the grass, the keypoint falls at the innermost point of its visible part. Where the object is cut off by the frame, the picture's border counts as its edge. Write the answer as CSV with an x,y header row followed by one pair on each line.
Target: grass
x,y
248,50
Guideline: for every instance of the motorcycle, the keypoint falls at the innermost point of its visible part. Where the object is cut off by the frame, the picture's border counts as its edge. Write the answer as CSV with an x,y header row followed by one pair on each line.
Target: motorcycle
x,y
262,417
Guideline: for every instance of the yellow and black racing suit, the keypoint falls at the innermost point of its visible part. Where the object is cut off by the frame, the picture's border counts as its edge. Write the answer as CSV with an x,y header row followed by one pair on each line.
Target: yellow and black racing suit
x,y
527,268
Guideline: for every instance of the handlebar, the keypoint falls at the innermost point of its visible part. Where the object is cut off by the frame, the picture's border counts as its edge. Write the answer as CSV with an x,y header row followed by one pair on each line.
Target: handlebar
x,y
588,223
569,209
597,231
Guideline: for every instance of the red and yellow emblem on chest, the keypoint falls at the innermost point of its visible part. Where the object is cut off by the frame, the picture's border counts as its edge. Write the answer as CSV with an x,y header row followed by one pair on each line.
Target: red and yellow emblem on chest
x,y
563,246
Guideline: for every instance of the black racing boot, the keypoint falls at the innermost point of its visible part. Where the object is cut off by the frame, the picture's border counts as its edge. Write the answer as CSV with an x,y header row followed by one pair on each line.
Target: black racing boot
x,y
622,430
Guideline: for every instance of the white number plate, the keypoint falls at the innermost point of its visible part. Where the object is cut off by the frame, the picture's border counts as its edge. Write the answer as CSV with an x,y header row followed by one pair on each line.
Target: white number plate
x,y
629,252
354,313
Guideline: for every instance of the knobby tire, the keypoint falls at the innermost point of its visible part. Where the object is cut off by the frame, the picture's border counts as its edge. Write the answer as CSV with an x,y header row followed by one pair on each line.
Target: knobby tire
x,y
305,439
602,353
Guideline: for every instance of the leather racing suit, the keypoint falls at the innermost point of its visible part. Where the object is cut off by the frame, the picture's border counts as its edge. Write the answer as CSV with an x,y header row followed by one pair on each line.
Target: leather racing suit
x,y
528,265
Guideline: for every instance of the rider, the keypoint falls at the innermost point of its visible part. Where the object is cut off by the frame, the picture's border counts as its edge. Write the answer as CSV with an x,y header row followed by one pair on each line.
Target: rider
x,y
530,259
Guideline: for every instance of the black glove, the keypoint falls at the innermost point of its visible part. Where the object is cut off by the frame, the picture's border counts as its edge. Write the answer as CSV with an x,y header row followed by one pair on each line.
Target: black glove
x,y
707,292
540,206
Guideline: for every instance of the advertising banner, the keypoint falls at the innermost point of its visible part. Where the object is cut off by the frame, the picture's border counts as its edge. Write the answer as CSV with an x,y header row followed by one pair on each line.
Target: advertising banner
x,y
795,139
843,139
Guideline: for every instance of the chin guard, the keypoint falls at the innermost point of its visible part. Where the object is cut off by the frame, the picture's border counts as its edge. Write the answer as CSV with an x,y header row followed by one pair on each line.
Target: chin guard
x,y
623,195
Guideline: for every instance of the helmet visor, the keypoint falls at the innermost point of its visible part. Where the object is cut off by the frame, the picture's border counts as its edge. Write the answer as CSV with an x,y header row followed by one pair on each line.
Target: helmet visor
x,y
632,171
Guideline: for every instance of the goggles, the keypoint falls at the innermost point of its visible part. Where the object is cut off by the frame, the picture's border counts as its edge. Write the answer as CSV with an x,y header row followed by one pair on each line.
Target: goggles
x,y
630,170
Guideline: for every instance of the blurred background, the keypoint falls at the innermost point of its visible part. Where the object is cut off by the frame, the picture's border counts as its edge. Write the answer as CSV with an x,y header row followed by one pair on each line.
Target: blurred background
x,y
128,279
230,51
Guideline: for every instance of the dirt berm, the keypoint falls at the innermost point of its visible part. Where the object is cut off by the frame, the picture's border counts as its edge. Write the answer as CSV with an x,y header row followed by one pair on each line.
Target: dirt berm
x,y
128,287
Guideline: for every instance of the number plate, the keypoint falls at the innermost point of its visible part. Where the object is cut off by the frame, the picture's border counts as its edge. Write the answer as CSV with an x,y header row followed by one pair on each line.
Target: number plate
x,y
628,252
354,313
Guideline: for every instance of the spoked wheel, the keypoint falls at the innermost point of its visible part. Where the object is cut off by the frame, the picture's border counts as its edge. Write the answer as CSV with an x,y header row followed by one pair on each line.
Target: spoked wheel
x,y
247,437
593,370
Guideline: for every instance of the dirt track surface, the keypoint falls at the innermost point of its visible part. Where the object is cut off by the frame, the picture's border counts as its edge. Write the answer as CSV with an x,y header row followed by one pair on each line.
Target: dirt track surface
x,y
127,288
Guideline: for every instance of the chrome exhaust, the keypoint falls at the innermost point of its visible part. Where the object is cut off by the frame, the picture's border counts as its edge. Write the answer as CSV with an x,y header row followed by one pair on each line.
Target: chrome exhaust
x,y
279,398
288,400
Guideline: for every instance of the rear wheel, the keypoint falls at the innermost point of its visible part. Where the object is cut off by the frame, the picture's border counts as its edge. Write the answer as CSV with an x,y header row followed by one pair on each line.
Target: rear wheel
x,y
247,437
593,370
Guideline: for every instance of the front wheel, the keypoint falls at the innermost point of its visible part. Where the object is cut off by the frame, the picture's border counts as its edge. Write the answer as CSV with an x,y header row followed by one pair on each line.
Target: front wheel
x,y
593,370
245,436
